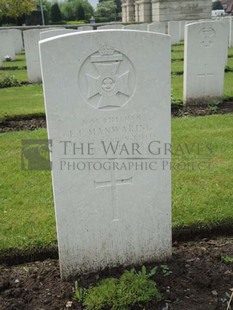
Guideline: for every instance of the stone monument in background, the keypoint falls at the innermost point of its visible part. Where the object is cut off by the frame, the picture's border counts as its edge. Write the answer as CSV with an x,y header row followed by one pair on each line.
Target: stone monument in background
x,y
146,11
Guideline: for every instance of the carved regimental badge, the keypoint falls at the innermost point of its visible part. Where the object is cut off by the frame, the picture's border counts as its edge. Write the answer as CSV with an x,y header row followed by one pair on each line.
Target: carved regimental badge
x,y
207,36
107,79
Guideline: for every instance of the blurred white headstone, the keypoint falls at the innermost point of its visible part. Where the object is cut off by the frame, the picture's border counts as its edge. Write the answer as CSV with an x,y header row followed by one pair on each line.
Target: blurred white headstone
x,y
7,44
205,50
31,40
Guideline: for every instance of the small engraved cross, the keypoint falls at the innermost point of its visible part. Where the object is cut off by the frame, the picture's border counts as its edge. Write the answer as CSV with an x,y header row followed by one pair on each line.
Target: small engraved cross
x,y
113,183
204,76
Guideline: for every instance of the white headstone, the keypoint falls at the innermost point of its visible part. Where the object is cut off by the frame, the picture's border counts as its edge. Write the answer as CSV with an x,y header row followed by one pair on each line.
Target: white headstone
x,y
228,21
112,205
174,31
142,27
182,23
205,52
7,44
55,32
31,40
18,40
231,33
160,27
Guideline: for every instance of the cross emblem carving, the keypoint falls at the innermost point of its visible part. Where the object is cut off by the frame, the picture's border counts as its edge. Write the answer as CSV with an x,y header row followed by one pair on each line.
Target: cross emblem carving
x,y
113,183
207,35
107,84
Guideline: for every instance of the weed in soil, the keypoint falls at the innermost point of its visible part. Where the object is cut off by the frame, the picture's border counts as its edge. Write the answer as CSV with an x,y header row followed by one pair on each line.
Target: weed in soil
x,y
200,280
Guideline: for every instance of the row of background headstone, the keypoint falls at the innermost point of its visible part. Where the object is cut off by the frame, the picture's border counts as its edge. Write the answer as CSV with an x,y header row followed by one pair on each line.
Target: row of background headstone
x,y
11,43
32,37
174,28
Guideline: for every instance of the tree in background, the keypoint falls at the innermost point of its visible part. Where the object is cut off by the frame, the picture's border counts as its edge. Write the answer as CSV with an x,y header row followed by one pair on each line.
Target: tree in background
x,y
35,17
55,13
107,10
217,5
118,4
47,6
70,9
80,12
67,11
16,9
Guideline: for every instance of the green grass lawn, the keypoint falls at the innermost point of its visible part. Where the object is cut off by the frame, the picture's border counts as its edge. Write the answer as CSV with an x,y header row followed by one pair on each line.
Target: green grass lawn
x,y
20,75
20,61
177,56
27,214
177,86
178,47
201,198
177,66
230,52
230,63
25,100
228,85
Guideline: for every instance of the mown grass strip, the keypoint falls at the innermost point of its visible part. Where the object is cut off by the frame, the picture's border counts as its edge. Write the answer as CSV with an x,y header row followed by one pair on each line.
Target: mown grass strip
x,y
20,75
21,101
204,195
201,197
27,214
20,61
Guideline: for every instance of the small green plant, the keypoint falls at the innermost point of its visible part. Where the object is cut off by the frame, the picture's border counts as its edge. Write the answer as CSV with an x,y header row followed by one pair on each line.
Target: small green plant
x,y
145,273
176,102
213,106
165,270
121,294
227,259
79,292
9,81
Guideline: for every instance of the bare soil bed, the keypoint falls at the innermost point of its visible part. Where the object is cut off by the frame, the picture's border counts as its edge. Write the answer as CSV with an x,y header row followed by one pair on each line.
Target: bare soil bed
x,y
200,279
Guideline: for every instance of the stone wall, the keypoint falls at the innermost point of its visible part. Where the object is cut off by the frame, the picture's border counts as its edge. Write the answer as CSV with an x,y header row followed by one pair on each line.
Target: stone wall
x,y
165,10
